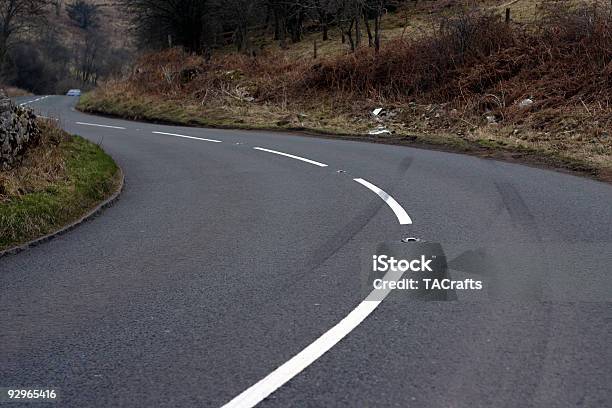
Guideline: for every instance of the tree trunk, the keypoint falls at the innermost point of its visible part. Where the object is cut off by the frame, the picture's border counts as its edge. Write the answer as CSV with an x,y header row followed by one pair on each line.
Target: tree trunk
x,y
276,26
241,39
357,31
367,24
351,41
3,52
349,34
283,34
377,34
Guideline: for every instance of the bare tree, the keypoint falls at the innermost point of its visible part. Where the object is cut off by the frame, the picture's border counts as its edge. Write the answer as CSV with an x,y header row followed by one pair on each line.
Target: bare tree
x,y
83,14
324,12
89,58
375,9
289,17
239,16
17,16
185,22
348,17
357,13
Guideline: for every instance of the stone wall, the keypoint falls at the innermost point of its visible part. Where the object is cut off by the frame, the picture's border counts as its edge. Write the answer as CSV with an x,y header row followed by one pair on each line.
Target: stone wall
x,y
18,132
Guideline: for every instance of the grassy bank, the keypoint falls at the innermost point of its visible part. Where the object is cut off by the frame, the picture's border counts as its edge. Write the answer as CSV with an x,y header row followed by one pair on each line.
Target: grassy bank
x,y
537,91
57,183
13,91
590,156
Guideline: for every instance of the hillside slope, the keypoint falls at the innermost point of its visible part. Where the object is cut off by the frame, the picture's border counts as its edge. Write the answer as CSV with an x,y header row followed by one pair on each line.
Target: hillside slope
x,y
536,90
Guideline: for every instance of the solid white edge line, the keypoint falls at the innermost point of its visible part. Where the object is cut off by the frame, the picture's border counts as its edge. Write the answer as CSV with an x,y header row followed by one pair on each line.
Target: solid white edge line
x,y
188,137
97,125
316,163
277,378
400,213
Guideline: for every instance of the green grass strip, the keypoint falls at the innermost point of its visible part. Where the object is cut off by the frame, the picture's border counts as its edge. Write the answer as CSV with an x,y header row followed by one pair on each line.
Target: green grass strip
x,y
92,176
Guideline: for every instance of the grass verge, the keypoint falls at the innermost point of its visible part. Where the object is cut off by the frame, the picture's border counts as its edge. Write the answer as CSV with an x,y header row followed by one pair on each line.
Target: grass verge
x,y
58,183
506,143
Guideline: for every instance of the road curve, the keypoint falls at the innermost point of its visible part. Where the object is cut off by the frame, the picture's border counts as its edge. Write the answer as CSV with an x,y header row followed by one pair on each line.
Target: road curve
x,y
230,252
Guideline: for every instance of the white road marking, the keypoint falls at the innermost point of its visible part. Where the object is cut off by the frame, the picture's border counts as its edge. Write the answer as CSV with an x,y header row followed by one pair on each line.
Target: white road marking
x,y
33,100
189,137
400,213
316,163
277,378
98,125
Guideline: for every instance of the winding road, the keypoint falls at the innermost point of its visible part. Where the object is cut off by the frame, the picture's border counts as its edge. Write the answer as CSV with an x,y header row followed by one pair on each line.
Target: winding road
x,y
230,273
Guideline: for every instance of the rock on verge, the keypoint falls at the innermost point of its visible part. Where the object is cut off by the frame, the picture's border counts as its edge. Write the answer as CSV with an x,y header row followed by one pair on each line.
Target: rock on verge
x,y
18,132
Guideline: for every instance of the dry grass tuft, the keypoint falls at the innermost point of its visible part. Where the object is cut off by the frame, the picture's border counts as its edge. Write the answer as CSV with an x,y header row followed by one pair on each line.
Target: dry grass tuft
x,y
12,91
56,183
40,168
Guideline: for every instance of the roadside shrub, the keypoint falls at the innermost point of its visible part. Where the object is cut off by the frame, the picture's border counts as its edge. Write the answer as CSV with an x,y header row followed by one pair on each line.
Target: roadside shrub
x,y
413,68
565,62
483,64
175,73
474,62
37,65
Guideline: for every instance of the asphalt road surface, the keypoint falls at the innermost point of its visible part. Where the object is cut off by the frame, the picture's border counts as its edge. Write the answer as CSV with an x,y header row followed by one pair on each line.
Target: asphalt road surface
x,y
230,253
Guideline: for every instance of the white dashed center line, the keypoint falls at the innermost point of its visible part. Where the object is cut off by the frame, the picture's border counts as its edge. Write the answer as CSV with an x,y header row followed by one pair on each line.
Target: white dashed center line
x,y
400,213
33,100
277,378
188,137
316,163
98,125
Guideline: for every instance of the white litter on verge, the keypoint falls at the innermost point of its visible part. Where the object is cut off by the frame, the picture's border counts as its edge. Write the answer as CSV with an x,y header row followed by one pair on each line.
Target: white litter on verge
x,y
380,130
